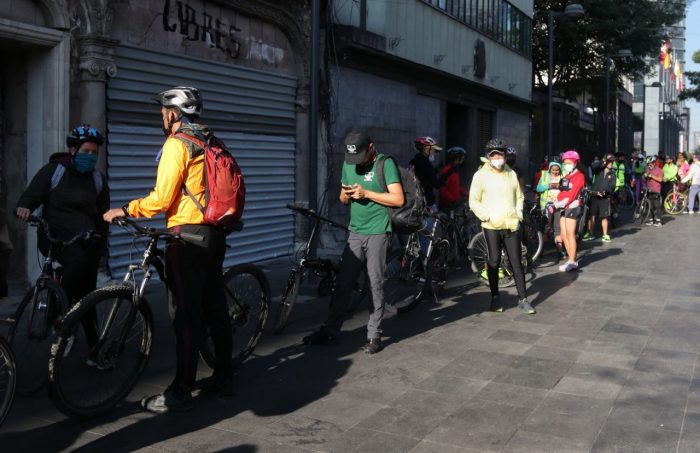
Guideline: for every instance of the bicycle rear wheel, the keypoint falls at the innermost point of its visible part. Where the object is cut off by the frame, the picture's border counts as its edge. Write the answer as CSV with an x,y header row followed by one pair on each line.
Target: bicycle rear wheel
x,y
33,332
625,198
533,240
675,202
289,298
479,256
248,301
403,275
8,379
102,348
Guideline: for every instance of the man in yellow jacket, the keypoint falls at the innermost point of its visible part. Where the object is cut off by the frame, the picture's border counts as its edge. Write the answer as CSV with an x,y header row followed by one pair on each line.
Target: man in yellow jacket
x,y
193,270
496,199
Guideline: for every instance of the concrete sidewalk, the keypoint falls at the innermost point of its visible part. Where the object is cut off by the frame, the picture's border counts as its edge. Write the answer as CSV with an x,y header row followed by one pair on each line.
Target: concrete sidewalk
x,y
609,363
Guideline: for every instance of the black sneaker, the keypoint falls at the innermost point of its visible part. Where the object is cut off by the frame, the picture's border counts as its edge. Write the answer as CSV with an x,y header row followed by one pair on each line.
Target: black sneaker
x,y
321,336
168,401
526,307
221,386
496,304
373,346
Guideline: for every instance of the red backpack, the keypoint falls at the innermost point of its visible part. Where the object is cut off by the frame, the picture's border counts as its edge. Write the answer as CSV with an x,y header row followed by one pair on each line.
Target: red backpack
x,y
224,188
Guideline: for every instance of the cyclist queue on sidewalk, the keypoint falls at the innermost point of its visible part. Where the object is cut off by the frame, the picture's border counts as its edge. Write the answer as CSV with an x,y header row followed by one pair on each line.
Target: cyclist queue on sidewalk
x,y
74,197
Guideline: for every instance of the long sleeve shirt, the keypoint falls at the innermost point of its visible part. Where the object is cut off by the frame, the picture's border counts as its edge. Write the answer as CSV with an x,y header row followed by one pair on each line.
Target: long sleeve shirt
x,y
180,164
451,192
496,199
570,187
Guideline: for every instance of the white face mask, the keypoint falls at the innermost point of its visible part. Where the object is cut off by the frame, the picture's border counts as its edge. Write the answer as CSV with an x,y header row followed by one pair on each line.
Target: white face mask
x,y
497,163
431,158
568,168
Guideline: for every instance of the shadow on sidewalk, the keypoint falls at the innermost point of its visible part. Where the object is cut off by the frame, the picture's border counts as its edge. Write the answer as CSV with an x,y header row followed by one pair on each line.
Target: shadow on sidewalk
x,y
267,386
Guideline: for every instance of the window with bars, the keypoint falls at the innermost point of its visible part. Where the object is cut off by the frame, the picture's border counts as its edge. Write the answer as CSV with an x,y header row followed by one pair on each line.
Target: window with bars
x,y
498,19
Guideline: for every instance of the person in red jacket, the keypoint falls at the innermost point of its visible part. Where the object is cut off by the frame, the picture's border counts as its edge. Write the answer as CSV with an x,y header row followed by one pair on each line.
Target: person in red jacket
x,y
451,192
569,202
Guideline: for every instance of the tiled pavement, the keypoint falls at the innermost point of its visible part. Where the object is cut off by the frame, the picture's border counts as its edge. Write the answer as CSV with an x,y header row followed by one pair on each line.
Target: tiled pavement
x,y
609,363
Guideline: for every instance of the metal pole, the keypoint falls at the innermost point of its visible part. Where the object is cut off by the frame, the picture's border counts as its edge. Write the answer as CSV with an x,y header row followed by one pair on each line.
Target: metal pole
x,y
644,112
313,116
607,103
550,71
662,142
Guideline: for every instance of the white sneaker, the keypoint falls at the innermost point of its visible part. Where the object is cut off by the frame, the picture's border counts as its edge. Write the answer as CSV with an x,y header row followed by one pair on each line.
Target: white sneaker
x,y
691,212
568,266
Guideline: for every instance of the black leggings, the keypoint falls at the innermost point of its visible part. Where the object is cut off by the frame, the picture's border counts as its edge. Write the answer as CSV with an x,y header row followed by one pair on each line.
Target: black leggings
x,y
495,241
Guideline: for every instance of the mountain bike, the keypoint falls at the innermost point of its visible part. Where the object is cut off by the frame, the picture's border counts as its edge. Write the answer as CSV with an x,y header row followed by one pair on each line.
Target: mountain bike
x,y
412,274
643,209
8,379
96,374
325,268
676,200
40,313
623,198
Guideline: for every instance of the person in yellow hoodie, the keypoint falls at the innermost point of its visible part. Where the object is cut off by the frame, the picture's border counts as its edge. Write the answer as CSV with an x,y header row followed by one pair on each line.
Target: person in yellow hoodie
x,y
496,199
193,269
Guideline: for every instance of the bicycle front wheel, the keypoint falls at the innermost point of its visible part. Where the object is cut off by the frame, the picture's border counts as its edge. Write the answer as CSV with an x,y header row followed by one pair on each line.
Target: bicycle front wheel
x,y
675,202
289,298
33,332
479,257
8,379
642,212
248,301
533,240
102,348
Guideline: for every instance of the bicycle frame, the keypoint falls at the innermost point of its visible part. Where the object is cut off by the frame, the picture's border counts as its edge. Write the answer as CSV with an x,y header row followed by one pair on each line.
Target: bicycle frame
x,y
151,259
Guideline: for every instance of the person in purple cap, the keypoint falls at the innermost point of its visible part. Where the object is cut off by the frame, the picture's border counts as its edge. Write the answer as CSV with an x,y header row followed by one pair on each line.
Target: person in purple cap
x,y
370,230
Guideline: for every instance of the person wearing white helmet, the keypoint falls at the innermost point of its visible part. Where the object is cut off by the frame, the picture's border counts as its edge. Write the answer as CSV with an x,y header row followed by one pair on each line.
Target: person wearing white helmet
x,y
569,202
193,270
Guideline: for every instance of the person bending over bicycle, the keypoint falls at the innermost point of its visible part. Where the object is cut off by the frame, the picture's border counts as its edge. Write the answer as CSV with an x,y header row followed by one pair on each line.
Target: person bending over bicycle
x,y
654,177
370,230
73,196
193,271
602,189
452,192
496,199
568,202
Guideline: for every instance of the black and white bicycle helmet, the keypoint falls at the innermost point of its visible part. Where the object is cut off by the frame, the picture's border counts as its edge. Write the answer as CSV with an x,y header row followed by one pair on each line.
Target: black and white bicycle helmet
x,y
511,151
497,144
651,159
186,99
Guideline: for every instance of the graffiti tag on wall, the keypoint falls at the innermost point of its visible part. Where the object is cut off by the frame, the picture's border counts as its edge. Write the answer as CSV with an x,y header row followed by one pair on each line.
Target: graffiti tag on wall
x,y
200,26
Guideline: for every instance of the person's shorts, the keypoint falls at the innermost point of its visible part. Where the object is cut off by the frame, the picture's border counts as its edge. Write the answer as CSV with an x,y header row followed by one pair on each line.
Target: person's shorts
x,y
572,213
600,207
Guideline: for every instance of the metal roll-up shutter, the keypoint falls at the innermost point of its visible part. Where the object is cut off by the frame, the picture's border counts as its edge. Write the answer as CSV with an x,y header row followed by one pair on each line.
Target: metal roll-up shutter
x,y
252,111
485,125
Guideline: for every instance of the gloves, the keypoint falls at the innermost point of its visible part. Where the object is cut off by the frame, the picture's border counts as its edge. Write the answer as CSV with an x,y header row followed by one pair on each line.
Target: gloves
x,y
560,204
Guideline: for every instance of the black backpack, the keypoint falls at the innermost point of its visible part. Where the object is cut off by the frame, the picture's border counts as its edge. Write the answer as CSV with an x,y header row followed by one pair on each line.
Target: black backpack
x,y
408,218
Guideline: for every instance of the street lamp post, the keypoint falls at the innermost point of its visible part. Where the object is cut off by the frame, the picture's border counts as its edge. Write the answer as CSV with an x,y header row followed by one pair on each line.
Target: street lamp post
x,y
572,11
644,107
624,53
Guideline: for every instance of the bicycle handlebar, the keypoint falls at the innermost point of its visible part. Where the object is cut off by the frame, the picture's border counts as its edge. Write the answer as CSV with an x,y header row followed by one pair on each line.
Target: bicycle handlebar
x,y
40,223
311,213
125,222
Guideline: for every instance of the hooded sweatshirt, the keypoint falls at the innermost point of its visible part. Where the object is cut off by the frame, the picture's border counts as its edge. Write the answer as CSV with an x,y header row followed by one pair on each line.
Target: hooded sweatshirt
x,y
548,195
496,198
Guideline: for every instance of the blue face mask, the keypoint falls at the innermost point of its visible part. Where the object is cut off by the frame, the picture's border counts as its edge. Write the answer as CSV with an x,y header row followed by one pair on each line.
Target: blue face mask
x,y
84,162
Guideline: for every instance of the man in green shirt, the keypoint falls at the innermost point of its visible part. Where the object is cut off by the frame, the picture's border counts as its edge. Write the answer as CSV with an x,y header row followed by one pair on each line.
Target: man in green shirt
x,y
370,228
670,175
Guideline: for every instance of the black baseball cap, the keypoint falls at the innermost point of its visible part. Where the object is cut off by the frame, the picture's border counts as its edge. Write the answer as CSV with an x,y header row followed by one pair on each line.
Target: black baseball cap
x,y
356,147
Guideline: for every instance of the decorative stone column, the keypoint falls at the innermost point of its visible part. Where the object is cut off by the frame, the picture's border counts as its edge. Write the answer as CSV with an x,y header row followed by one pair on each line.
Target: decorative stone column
x,y
96,66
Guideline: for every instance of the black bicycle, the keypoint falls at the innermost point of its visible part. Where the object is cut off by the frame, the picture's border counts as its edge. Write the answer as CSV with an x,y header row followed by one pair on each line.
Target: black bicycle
x,y
326,269
38,317
95,374
643,209
8,379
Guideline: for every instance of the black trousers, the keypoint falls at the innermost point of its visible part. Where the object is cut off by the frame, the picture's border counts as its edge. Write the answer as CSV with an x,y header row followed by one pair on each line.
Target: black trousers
x,y
655,200
496,240
194,277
